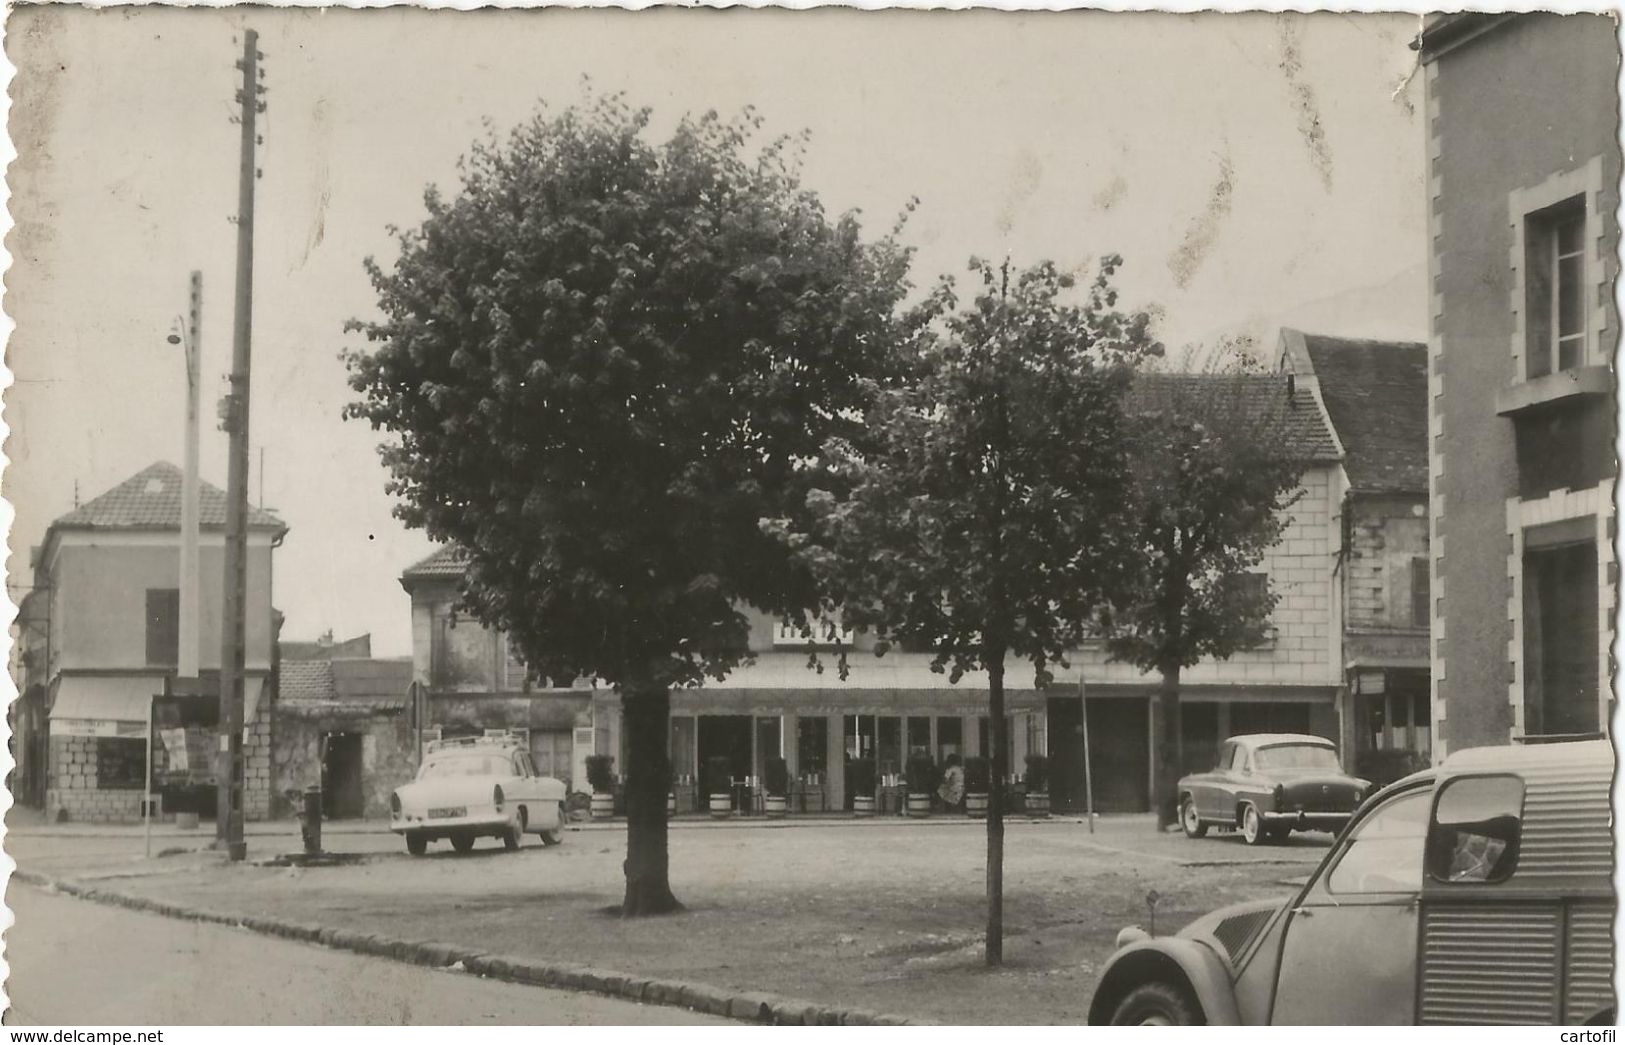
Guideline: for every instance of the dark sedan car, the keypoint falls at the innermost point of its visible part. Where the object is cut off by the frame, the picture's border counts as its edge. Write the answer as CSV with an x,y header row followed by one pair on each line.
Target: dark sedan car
x,y
1267,785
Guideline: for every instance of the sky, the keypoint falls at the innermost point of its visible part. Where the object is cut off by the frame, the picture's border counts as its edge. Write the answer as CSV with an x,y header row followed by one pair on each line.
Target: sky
x,y
1254,171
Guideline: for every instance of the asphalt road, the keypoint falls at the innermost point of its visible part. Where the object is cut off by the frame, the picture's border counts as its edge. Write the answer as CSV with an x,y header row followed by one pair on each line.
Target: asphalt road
x,y
79,963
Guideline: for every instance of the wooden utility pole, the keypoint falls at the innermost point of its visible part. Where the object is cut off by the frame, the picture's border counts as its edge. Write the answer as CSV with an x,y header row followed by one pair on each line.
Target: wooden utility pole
x,y
233,652
189,640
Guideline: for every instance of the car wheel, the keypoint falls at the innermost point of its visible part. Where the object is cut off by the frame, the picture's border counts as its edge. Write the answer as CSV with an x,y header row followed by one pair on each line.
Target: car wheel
x,y
416,844
515,832
1194,828
1158,1004
462,842
1252,826
555,836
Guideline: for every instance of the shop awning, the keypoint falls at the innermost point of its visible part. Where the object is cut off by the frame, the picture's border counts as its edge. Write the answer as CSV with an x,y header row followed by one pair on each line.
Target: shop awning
x,y
103,704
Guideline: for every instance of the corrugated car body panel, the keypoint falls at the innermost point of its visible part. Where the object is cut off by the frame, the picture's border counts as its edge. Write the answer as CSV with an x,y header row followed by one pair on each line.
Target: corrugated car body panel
x,y
1590,987
1566,823
1489,963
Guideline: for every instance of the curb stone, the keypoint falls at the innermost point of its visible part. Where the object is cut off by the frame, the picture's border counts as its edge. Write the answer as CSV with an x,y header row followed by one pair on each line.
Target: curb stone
x,y
744,1006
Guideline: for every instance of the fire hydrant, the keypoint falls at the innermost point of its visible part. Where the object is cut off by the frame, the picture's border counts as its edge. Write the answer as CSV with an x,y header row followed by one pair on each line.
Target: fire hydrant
x,y
310,821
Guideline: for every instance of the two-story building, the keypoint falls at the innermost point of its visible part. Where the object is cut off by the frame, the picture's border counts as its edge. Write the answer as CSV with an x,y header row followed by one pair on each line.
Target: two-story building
x,y
101,637
890,707
1524,172
1375,397
472,684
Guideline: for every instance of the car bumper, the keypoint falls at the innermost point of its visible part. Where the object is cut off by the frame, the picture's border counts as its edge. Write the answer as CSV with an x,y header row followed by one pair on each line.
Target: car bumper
x,y
1301,820
487,820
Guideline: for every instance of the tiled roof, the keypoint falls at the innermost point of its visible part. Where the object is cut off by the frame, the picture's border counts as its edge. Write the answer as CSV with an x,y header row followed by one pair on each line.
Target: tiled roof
x,y
446,561
1376,393
344,681
151,500
326,649
306,680
353,679
1263,396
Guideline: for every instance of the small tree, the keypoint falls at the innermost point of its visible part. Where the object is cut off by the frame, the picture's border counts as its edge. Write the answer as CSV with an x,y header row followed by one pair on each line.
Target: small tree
x,y
977,515
601,364
1216,468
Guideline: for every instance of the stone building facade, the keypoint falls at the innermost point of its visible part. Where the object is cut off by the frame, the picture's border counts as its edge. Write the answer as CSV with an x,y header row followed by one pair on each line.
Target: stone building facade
x,y
1524,162
100,654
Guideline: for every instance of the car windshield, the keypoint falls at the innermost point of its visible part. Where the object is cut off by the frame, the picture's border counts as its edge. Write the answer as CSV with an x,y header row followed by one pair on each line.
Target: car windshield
x,y
1297,756
466,765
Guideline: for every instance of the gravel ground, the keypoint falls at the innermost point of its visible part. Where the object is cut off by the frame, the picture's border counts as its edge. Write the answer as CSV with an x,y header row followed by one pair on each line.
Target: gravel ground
x,y
878,914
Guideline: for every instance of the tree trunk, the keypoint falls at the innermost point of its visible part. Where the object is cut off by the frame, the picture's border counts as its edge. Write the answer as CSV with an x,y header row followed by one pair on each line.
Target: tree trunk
x,y
1170,750
647,715
995,812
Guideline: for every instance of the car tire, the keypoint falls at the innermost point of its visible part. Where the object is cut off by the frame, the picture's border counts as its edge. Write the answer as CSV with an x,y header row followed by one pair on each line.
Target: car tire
x,y
515,832
1158,1004
416,844
1253,831
555,836
1189,820
462,842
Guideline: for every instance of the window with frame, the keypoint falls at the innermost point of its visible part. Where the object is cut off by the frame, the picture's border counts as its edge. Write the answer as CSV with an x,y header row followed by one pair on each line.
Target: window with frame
x,y
1383,854
1476,826
163,626
1421,591
1555,325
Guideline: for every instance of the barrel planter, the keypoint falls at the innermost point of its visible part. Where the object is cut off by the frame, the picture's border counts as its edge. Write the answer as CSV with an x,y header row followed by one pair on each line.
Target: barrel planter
x,y
1038,804
722,806
863,805
919,805
775,806
603,805
976,806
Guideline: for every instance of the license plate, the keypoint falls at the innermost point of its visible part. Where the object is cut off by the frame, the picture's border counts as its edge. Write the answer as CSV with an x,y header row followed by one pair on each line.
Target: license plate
x,y
438,814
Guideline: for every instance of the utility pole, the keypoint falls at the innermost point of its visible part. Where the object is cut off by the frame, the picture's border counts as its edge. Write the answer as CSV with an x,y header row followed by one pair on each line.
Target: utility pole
x,y
189,639
233,653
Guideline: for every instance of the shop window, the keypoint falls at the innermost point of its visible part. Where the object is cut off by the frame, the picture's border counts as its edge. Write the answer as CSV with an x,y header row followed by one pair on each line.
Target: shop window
x,y
1475,830
121,763
163,626
1554,287
1384,852
919,735
950,737
812,745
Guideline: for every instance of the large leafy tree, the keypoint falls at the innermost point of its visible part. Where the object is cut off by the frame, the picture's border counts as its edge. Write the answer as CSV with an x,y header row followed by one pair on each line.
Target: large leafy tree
x,y
601,363
1215,472
977,513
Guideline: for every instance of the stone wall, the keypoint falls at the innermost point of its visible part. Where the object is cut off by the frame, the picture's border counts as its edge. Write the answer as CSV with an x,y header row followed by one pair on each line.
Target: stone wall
x,y
388,752
72,791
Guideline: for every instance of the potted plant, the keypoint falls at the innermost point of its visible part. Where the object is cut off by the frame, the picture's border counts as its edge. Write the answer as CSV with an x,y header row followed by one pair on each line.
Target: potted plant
x,y
776,778
719,785
601,778
921,777
860,781
978,775
1037,786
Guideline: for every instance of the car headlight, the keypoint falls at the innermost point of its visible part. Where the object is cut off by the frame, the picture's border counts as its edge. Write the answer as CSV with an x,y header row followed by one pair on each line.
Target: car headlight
x,y
394,804
1131,934
496,797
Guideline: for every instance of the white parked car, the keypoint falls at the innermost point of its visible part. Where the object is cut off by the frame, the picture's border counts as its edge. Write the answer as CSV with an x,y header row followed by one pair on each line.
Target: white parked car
x,y
473,786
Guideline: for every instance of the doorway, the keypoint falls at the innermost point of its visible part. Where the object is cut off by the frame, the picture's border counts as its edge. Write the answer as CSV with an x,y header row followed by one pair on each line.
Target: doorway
x,y
342,795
